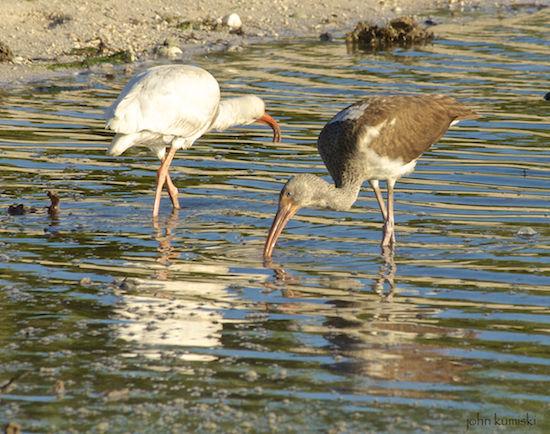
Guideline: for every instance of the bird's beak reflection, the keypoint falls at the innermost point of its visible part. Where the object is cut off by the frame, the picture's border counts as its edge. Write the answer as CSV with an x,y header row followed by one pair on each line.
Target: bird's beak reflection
x,y
285,212
270,122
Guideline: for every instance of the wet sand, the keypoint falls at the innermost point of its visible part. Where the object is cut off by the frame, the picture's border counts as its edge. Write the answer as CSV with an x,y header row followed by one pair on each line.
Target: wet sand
x,y
43,33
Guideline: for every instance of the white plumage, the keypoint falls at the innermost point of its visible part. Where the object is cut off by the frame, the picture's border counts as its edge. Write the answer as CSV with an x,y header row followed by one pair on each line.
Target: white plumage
x,y
174,105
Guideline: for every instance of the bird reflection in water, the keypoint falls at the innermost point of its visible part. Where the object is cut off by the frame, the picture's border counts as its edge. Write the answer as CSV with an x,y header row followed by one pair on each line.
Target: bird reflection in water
x,y
386,275
167,252
376,338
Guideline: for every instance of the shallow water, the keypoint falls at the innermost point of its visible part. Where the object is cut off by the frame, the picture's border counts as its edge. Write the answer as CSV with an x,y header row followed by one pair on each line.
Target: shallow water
x,y
114,324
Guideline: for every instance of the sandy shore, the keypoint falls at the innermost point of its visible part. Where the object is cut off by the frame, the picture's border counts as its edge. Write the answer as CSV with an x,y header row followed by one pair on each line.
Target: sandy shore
x,y
42,33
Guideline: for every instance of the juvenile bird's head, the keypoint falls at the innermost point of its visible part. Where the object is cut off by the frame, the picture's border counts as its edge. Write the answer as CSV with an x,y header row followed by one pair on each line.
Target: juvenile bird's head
x,y
300,191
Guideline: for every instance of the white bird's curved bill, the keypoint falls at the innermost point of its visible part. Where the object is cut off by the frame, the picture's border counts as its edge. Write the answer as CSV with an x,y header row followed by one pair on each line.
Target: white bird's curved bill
x,y
270,122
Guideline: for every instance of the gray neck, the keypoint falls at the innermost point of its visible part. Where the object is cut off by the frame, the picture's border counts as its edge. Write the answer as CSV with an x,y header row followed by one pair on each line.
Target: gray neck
x,y
315,192
341,198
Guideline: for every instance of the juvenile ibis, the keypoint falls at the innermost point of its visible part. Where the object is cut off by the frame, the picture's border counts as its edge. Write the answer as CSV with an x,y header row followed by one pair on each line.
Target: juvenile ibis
x,y
379,138
174,105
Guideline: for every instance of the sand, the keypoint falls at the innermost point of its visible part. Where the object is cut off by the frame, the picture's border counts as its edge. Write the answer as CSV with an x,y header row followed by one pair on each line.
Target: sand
x,y
42,33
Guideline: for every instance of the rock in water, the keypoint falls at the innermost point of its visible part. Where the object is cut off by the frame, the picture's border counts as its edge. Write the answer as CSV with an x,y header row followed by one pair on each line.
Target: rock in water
x,y
400,32
527,233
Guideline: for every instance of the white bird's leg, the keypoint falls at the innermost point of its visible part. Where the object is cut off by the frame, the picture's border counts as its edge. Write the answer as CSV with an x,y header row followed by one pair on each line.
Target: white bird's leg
x,y
162,175
172,191
388,232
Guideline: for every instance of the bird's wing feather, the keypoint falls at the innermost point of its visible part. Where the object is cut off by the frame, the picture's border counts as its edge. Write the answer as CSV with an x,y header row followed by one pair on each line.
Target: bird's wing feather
x,y
399,127
410,125
176,100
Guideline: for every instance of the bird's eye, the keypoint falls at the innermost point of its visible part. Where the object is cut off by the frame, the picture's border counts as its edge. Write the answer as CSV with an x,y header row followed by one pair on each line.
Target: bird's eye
x,y
289,193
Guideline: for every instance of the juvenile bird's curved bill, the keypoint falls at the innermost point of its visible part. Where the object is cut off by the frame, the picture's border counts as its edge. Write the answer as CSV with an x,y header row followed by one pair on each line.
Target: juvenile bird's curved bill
x,y
284,214
270,122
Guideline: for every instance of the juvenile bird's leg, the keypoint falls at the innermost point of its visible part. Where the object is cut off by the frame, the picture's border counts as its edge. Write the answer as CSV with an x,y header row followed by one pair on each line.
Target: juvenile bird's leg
x,y
376,187
388,232
387,214
162,175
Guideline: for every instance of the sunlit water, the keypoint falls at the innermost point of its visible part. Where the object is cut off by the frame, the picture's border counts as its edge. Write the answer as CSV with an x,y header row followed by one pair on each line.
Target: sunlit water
x,y
202,337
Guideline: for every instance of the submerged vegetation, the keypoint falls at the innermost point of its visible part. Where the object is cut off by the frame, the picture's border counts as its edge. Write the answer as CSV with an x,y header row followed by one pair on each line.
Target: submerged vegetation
x,y
400,32
119,57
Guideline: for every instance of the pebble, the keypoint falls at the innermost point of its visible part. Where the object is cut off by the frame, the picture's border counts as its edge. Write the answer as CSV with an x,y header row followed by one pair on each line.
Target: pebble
x,y
115,395
102,427
527,233
128,285
232,20
169,50
234,48
251,375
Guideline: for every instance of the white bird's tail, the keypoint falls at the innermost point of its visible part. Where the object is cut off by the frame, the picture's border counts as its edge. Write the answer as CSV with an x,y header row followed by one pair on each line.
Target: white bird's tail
x,y
122,142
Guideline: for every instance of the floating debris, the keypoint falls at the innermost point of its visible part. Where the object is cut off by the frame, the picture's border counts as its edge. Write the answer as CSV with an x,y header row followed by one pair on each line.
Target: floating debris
x,y
59,389
11,383
128,284
12,428
85,282
400,32
115,395
527,233
21,209
250,375
53,208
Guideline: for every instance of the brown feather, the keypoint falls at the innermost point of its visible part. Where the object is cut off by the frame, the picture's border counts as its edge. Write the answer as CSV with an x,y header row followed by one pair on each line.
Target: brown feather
x,y
408,126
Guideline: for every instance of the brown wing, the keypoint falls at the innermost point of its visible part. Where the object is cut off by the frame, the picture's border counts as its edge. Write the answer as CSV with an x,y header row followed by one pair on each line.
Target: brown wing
x,y
397,126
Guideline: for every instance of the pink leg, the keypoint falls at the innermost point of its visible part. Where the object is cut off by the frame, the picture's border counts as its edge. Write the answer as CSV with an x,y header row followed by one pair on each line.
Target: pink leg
x,y
172,191
376,187
162,176
388,233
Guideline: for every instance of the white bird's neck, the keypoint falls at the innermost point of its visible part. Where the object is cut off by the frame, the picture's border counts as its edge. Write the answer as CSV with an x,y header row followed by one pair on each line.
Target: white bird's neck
x,y
242,110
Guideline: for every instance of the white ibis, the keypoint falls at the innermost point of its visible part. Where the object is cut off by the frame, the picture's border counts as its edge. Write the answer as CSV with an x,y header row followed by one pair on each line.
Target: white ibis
x,y
175,105
376,139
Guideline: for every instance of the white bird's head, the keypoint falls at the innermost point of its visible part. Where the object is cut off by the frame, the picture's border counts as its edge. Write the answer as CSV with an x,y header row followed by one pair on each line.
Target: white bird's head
x,y
244,110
